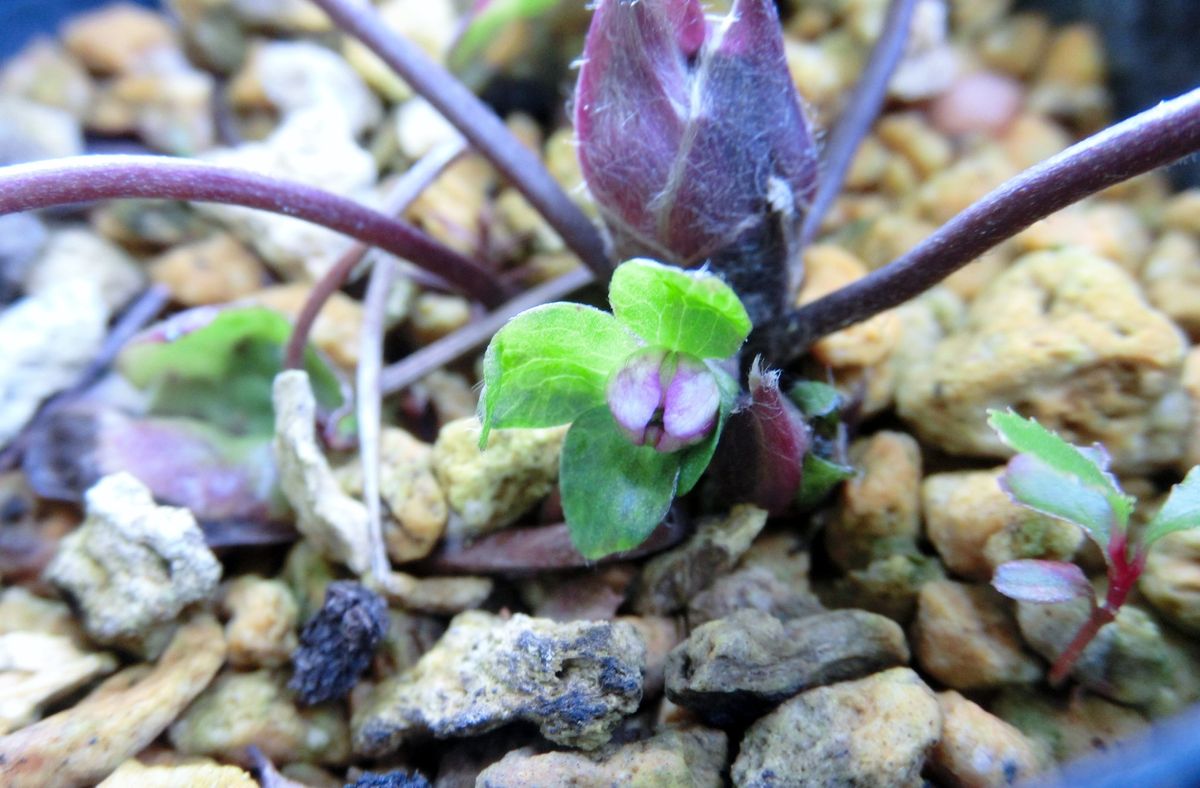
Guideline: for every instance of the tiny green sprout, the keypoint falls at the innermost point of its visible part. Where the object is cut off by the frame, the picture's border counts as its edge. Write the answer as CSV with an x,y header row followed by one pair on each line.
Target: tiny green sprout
x,y
1074,484
643,389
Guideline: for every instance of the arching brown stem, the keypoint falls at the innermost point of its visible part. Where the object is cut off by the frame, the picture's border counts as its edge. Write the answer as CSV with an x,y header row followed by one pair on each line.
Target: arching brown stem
x,y
1149,140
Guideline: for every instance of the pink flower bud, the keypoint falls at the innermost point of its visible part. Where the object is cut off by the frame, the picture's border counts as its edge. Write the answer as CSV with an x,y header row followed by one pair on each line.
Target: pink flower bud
x,y
665,400
692,140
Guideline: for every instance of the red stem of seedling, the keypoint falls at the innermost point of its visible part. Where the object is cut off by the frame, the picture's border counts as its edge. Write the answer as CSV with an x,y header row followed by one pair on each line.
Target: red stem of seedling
x,y
1123,573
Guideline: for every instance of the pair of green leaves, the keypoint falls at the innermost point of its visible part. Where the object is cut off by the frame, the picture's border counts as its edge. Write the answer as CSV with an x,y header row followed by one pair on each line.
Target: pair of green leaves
x,y
551,365
1074,484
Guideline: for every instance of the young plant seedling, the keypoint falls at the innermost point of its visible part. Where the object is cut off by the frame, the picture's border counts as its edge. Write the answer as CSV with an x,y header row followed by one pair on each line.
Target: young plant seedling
x,y
1074,484
643,389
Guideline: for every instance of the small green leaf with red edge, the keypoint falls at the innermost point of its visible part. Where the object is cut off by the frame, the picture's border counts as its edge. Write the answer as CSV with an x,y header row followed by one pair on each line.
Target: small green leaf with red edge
x,y
1035,485
1042,582
1180,512
1089,469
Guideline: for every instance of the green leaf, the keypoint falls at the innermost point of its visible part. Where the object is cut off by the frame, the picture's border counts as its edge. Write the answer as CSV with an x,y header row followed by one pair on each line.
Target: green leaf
x,y
1033,483
1042,582
1179,513
689,311
487,23
548,365
695,459
613,493
819,478
1027,436
815,400
218,367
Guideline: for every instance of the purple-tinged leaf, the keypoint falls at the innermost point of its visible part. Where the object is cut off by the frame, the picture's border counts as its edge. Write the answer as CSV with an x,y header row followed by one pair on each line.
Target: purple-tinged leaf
x,y
693,142
1036,485
183,462
1041,582
760,458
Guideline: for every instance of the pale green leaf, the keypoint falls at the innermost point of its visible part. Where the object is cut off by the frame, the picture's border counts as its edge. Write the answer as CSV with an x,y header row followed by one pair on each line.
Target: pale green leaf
x,y
1180,512
1027,436
689,311
1036,485
819,477
548,365
613,493
218,367
816,400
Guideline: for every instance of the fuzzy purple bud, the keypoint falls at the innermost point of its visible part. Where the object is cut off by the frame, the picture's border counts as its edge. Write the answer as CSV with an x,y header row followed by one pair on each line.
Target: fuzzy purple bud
x,y
760,458
666,400
693,142
635,394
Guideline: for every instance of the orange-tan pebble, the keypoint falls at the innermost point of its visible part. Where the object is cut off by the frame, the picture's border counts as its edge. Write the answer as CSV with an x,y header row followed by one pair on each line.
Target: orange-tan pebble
x,y
829,268
117,38
980,750
261,631
1017,44
1171,278
1111,230
214,270
922,145
966,637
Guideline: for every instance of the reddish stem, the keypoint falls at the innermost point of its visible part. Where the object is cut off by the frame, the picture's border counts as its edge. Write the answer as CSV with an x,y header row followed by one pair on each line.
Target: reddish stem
x,y
1066,660
79,179
1123,573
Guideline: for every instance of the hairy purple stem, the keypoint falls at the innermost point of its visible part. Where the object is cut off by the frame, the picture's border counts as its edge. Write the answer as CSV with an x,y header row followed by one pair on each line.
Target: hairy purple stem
x,y
1142,143
25,187
482,128
414,181
860,114
437,354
